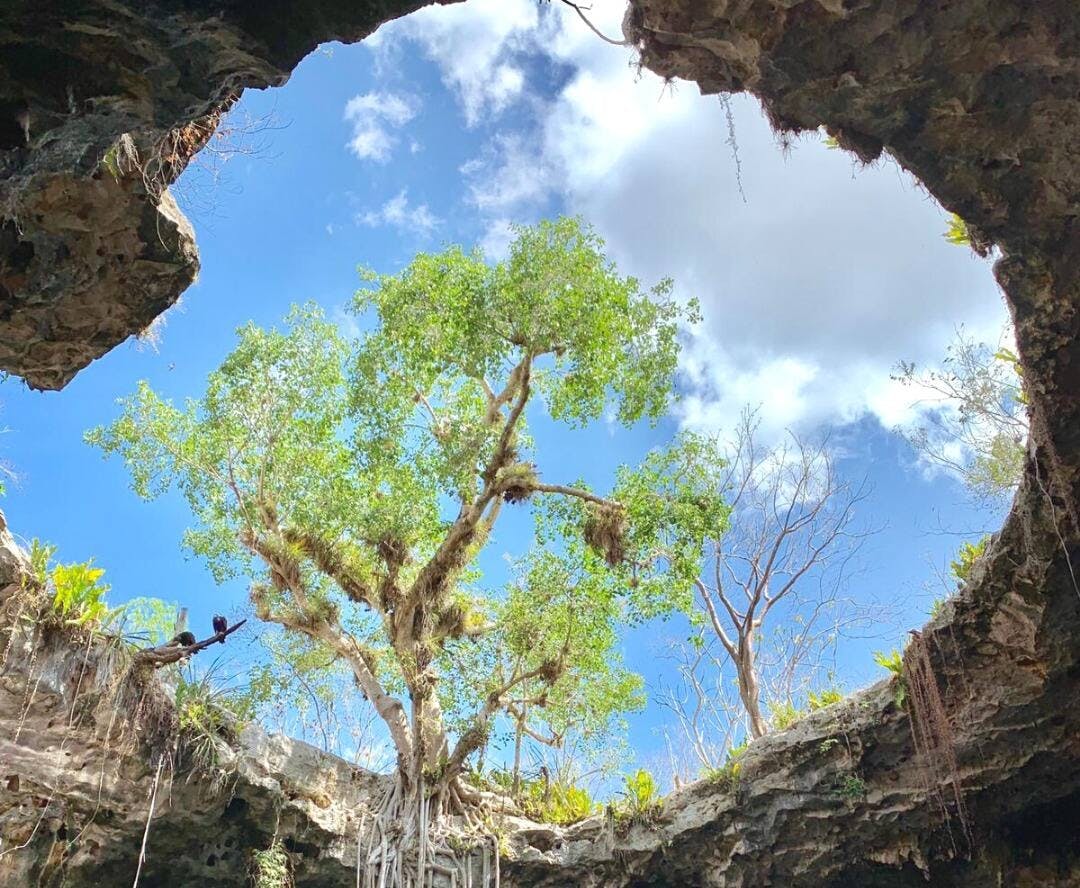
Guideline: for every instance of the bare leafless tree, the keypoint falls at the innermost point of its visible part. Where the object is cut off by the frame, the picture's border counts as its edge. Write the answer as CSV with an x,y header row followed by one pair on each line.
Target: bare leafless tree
x,y
778,573
709,716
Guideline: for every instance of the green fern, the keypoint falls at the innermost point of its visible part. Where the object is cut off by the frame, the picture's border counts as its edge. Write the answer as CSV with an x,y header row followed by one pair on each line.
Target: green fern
x,y
824,698
78,594
784,715
894,662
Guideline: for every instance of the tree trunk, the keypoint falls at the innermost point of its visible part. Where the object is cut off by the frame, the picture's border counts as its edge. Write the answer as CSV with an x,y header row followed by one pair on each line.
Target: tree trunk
x,y
750,689
520,732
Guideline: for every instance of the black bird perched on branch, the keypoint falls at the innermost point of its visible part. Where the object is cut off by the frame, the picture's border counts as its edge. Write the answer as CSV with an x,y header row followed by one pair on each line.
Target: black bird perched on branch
x,y
183,639
220,626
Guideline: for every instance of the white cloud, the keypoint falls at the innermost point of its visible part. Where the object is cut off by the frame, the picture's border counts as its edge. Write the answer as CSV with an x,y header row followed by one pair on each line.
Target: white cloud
x,y
510,176
812,290
372,116
398,213
476,48
496,240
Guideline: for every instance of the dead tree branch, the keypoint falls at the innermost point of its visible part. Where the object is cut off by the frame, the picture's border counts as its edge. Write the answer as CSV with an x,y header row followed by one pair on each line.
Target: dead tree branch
x,y
164,654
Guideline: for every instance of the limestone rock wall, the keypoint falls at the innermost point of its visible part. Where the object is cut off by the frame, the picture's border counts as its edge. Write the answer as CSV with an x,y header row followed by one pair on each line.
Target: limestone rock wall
x,y
841,799
96,98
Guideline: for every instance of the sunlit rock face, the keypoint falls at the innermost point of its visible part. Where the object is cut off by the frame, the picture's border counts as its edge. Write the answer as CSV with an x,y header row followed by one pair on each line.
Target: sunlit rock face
x,y
840,799
102,105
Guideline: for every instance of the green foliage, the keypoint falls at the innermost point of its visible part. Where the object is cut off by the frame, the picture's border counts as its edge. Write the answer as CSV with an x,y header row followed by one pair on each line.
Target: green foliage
x,y
556,802
270,867
977,428
957,233
674,503
893,661
207,713
852,788
147,621
557,295
937,606
965,559
351,479
41,556
730,773
555,612
111,162
653,546
784,715
78,594
640,799
821,699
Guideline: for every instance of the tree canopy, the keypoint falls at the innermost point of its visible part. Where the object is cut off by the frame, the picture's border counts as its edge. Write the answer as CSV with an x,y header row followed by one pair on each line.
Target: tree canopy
x,y
355,483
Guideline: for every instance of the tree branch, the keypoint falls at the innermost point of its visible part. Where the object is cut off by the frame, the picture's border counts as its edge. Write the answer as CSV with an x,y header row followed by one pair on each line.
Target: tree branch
x,y
564,490
593,27
164,654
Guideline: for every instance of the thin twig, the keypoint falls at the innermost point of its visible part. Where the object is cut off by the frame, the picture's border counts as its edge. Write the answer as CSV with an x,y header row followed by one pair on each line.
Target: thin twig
x,y
593,27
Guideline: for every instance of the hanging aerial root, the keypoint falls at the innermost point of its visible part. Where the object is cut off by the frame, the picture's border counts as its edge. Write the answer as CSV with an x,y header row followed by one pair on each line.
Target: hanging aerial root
x,y
932,736
429,837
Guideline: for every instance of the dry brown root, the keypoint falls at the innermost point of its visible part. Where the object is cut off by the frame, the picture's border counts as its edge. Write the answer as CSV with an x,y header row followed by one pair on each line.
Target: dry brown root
x,y
429,837
932,736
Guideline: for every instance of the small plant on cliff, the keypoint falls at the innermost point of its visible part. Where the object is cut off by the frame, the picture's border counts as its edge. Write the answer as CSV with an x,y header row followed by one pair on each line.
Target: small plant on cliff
x,y
730,773
640,799
851,788
270,867
893,661
784,715
79,594
966,558
553,801
357,483
821,699
208,714
957,233
76,595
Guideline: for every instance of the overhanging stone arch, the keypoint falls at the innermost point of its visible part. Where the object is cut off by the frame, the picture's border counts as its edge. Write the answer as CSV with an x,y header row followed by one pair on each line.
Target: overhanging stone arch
x,y
979,99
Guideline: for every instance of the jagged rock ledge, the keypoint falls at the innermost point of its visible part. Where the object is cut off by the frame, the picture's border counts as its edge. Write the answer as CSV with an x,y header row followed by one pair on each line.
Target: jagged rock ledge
x,y
839,800
102,106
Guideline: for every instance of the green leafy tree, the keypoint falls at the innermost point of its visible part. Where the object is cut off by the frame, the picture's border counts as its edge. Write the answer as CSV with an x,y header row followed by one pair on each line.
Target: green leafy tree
x,y
357,483
581,612
975,424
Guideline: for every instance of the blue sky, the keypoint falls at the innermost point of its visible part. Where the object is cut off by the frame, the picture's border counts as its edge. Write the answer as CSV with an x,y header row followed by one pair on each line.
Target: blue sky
x,y
448,125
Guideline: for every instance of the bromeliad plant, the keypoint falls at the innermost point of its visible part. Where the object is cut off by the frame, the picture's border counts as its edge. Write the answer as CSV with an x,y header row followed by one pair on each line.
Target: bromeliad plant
x,y
357,483
74,592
